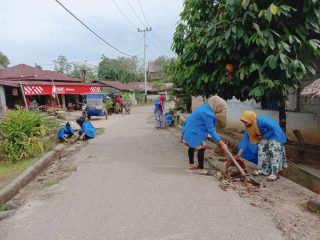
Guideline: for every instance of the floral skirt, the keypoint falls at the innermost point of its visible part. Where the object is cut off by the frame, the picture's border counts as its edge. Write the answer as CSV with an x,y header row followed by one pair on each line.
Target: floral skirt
x,y
271,156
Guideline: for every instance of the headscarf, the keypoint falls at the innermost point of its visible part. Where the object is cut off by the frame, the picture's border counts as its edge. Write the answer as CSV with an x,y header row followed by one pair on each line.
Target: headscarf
x,y
253,131
162,98
68,125
80,121
217,104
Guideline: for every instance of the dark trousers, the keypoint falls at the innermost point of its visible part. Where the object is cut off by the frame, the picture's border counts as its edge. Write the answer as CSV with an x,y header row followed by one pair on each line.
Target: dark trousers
x,y
200,157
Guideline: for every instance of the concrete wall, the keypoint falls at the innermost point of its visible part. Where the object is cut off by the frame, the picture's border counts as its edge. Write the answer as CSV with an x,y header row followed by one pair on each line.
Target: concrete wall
x,y
307,123
3,104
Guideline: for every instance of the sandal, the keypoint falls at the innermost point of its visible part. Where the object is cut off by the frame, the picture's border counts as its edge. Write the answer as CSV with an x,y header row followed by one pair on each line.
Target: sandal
x,y
203,172
272,177
257,173
193,167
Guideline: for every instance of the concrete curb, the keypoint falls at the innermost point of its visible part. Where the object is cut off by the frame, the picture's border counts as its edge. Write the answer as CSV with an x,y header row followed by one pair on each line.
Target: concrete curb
x,y
29,174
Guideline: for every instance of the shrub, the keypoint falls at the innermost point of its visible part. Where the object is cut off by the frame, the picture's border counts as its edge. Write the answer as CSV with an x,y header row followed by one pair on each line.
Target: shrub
x,y
22,134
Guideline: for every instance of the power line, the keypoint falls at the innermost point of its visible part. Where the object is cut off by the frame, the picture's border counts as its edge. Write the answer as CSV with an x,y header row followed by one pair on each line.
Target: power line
x,y
125,16
135,13
144,16
154,34
91,30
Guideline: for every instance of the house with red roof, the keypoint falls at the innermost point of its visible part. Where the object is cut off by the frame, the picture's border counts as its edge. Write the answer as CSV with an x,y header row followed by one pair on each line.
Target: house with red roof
x,y
21,84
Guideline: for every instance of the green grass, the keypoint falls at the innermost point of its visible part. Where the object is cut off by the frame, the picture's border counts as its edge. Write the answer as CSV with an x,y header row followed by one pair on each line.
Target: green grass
x,y
2,208
50,182
100,131
9,171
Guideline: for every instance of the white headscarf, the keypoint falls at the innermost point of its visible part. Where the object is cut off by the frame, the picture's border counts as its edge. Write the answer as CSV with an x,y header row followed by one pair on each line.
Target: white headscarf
x,y
217,104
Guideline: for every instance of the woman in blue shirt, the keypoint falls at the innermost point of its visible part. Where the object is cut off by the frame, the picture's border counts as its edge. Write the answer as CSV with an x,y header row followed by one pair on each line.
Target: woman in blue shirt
x,y
87,131
197,127
65,132
270,139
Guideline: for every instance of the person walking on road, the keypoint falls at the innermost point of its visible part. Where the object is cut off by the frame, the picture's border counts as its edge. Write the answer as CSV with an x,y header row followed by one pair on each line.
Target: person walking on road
x,y
88,131
270,138
197,127
159,112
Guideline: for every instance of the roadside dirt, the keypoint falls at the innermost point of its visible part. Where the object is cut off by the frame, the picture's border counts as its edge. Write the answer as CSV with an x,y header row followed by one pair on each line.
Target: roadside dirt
x,y
39,188
284,200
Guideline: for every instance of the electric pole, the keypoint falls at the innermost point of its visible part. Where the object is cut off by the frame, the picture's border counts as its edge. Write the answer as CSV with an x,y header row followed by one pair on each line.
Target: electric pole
x,y
145,59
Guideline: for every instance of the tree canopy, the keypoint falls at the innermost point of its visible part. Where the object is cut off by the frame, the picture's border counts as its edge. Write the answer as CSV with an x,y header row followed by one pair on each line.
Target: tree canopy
x,y
121,69
62,65
4,60
246,48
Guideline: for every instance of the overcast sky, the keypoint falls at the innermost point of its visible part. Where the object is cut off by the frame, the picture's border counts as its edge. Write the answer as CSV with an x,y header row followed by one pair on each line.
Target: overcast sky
x,y
37,31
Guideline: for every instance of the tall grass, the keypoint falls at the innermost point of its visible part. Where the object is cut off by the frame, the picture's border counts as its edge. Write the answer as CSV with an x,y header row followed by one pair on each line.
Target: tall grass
x,y
23,134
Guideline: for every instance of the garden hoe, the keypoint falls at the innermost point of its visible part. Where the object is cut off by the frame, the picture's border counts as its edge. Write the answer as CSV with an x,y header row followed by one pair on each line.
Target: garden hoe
x,y
246,178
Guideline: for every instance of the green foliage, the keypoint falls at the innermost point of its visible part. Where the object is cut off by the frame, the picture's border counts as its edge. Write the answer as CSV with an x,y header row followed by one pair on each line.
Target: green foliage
x,y
22,134
245,48
4,61
62,65
121,69
162,63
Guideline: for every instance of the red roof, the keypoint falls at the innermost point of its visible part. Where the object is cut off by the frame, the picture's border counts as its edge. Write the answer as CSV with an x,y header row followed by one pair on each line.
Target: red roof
x,y
24,72
115,84
139,86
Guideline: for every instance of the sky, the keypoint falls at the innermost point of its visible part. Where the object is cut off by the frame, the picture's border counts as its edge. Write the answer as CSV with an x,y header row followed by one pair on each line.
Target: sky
x,y
38,31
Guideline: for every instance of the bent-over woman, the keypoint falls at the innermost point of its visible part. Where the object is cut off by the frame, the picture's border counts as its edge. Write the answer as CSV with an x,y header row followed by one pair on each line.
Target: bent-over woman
x,y
270,138
87,131
197,127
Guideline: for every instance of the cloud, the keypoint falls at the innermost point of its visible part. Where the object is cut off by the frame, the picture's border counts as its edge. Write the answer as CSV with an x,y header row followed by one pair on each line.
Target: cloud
x,y
39,30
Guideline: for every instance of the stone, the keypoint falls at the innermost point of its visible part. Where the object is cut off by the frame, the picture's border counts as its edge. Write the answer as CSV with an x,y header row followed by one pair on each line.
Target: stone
x,y
314,204
6,214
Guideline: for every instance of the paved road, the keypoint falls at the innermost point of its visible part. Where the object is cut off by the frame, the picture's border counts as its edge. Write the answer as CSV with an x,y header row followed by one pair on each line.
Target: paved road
x,y
132,183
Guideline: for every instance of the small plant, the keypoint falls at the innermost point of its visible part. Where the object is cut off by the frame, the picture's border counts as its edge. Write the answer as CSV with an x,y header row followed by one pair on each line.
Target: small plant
x,y
2,207
22,134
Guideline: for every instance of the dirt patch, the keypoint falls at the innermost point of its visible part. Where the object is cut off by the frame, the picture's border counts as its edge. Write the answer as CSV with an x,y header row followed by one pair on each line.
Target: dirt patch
x,y
284,200
39,188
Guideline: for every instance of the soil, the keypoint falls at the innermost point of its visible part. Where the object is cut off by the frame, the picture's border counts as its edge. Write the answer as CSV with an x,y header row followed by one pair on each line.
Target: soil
x,y
284,200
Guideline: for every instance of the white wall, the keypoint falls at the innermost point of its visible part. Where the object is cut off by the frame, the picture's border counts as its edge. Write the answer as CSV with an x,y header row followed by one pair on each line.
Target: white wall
x,y
307,123
3,104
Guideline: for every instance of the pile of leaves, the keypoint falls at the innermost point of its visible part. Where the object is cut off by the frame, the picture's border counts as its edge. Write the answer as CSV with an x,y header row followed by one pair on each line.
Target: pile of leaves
x,y
25,135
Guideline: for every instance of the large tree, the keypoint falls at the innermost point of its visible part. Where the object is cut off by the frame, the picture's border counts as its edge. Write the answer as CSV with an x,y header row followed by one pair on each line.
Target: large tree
x,y
246,48
162,63
121,69
4,61
62,65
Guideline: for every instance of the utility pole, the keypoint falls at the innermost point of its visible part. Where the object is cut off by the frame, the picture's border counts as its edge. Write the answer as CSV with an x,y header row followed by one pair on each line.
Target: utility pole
x,y
147,29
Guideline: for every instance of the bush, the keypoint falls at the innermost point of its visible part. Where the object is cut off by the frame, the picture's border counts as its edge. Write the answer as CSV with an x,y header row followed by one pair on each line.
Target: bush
x,y
22,134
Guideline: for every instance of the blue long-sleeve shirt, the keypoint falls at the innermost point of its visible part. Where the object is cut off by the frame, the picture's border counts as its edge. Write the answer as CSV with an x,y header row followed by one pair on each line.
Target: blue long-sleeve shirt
x,y
198,125
65,131
250,151
270,129
88,129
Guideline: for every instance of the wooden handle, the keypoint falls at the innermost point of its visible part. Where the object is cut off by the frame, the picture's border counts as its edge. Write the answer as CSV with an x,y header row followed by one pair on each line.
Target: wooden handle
x,y
236,163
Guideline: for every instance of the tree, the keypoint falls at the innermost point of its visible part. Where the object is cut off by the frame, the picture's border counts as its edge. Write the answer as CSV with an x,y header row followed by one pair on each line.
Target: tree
x,y
62,65
38,66
4,61
246,48
121,69
162,63
84,71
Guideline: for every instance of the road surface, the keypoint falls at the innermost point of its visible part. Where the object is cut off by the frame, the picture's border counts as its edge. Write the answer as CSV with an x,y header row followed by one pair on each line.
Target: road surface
x,y
132,182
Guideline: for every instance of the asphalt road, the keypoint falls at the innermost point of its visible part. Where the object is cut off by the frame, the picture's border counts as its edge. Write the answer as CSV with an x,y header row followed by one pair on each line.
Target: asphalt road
x,y
133,183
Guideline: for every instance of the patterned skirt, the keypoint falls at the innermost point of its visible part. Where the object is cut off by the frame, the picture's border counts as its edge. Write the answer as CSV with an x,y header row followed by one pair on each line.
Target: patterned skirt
x,y
271,156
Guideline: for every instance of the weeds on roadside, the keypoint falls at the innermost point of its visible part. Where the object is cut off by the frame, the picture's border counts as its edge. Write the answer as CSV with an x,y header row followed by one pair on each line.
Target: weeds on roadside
x,y
23,134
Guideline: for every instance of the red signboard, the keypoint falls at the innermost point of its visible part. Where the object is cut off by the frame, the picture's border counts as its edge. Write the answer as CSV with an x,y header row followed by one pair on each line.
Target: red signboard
x,y
59,89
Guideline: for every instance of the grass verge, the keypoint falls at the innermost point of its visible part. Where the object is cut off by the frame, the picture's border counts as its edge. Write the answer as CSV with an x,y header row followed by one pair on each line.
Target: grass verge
x,y
9,171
